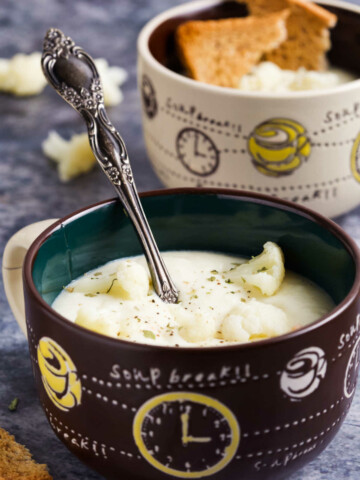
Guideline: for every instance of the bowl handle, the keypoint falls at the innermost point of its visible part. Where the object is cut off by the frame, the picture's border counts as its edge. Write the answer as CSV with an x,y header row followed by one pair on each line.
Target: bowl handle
x,y
13,259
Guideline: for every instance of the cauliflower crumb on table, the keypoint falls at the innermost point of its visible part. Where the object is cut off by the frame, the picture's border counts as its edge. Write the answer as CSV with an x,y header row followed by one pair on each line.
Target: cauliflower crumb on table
x,y
22,75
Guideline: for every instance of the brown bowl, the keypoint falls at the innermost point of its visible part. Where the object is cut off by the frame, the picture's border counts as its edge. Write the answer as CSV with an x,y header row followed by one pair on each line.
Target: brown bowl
x,y
263,409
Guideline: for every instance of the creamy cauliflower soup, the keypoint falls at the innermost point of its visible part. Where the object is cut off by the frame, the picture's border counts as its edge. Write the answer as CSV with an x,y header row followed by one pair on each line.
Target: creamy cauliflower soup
x,y
223,299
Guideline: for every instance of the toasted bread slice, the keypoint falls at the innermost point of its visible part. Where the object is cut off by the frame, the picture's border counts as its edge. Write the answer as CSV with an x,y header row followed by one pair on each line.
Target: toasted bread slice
x,y
220,52
308,33
16,462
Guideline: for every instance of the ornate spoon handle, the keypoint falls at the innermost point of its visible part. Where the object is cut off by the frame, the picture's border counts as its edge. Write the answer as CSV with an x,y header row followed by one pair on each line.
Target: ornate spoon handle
x,y
72,73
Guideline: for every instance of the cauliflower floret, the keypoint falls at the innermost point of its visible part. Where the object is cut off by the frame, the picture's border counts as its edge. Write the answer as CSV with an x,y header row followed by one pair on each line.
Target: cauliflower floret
x,y
232,329
133,280
92,319
92,284
111,78
268,77
254,320
73,156
195,327
266,271
22,74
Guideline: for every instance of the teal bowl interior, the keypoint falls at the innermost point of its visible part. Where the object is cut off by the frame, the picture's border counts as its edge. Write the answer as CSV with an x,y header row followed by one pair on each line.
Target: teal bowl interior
x,y
192,221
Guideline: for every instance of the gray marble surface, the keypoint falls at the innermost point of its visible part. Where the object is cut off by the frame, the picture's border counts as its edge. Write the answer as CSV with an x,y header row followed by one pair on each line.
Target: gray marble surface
x,y
30,191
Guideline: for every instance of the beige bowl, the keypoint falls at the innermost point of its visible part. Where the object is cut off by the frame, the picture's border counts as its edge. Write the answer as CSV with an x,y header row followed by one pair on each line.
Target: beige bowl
x,y
202,135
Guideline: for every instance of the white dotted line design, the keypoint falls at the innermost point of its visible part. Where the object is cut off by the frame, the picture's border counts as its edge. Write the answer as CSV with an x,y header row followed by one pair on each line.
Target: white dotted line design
x,y
250,455
32,338
218,130
302,443
295,423
33,358
348,346
190,386
106,399
54,419
166,172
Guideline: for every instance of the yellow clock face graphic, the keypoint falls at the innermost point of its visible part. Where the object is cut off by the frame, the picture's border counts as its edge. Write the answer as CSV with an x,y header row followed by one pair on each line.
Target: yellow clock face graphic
x,y
186,435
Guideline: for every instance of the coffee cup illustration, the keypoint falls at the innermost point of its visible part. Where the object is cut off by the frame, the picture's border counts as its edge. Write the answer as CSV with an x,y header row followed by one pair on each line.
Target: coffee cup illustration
x,y
59,374
278,147
303,373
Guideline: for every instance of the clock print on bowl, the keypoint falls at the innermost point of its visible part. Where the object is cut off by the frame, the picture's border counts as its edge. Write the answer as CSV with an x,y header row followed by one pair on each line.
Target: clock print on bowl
x,y
351,370
197,152
204,434
149,97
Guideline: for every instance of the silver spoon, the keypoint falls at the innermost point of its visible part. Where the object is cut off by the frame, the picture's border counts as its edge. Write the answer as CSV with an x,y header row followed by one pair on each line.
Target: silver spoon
x,y
72,73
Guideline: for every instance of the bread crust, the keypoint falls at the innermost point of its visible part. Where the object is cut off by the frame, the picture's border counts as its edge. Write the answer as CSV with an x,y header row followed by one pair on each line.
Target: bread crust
x,y
16,461
324,16
308,33
220,52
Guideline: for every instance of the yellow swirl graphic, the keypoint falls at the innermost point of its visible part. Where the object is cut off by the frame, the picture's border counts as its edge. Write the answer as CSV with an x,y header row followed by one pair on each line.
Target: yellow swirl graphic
x,y
355,159
59,374
278,146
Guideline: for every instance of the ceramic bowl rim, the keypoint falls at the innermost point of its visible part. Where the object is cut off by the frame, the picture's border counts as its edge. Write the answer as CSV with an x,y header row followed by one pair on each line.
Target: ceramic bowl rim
x,y
151,25
278,203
